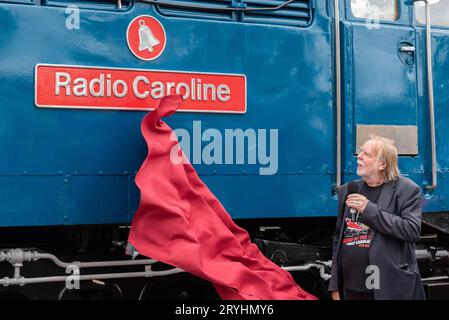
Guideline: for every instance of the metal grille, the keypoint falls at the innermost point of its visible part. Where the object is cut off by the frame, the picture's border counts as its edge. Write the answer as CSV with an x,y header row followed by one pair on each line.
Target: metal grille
x,y
298,13
212,9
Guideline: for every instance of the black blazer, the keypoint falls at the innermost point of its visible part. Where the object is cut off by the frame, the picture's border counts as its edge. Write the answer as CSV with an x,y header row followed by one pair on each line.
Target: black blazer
x,y
396,225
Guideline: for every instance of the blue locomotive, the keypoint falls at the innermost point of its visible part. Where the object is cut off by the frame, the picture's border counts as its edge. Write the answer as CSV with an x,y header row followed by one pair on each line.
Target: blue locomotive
x,y
284,92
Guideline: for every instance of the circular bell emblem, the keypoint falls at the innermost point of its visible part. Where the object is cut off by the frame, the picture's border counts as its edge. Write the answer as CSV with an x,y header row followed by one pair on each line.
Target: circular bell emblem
x,y
146,37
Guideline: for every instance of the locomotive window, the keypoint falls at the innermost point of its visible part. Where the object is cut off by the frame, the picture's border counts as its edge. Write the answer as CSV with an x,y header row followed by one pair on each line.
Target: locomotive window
x,y
439,13
375,9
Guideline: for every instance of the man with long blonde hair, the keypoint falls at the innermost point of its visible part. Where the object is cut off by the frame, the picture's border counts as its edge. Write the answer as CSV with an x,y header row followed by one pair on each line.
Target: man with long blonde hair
x,y
373,249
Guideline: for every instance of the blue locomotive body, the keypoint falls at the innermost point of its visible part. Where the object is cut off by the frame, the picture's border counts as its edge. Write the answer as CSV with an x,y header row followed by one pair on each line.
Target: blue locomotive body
x,y
72,166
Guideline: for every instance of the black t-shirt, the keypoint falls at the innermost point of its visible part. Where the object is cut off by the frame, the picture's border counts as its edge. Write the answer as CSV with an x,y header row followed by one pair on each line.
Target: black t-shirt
x,y
356,242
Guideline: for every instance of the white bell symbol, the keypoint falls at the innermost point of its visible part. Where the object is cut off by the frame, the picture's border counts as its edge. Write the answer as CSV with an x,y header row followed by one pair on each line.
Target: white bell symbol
x,y
146,38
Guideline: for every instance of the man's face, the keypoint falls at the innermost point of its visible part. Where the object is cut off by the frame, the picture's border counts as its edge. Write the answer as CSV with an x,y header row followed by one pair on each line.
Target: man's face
x,y
368,166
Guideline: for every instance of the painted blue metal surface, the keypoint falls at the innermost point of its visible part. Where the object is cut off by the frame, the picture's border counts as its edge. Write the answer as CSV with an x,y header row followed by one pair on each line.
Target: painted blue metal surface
x,y
63,166
438,201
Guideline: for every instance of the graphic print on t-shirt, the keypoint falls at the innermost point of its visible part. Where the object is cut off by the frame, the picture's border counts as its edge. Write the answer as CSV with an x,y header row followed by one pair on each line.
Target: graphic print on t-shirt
x,y
357,234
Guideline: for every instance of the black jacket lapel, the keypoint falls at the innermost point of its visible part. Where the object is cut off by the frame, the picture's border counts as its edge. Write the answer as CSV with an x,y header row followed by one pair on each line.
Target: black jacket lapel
x,y
386,195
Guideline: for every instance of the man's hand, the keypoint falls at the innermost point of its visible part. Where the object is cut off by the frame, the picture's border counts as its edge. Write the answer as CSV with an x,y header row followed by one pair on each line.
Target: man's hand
x,y
357,201
335,295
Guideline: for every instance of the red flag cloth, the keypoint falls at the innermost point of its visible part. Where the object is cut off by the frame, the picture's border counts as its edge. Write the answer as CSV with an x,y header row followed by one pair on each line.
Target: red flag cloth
x,y
181,223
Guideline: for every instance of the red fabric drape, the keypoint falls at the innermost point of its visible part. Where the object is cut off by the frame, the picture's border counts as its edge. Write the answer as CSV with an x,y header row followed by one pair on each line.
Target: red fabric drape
x,y
180,222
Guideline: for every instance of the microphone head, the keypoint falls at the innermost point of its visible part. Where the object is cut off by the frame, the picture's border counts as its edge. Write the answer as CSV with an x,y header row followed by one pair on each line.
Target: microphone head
x,y
353,187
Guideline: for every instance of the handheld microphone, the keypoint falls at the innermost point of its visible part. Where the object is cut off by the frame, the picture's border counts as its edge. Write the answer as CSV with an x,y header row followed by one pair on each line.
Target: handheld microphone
x,y
353,187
